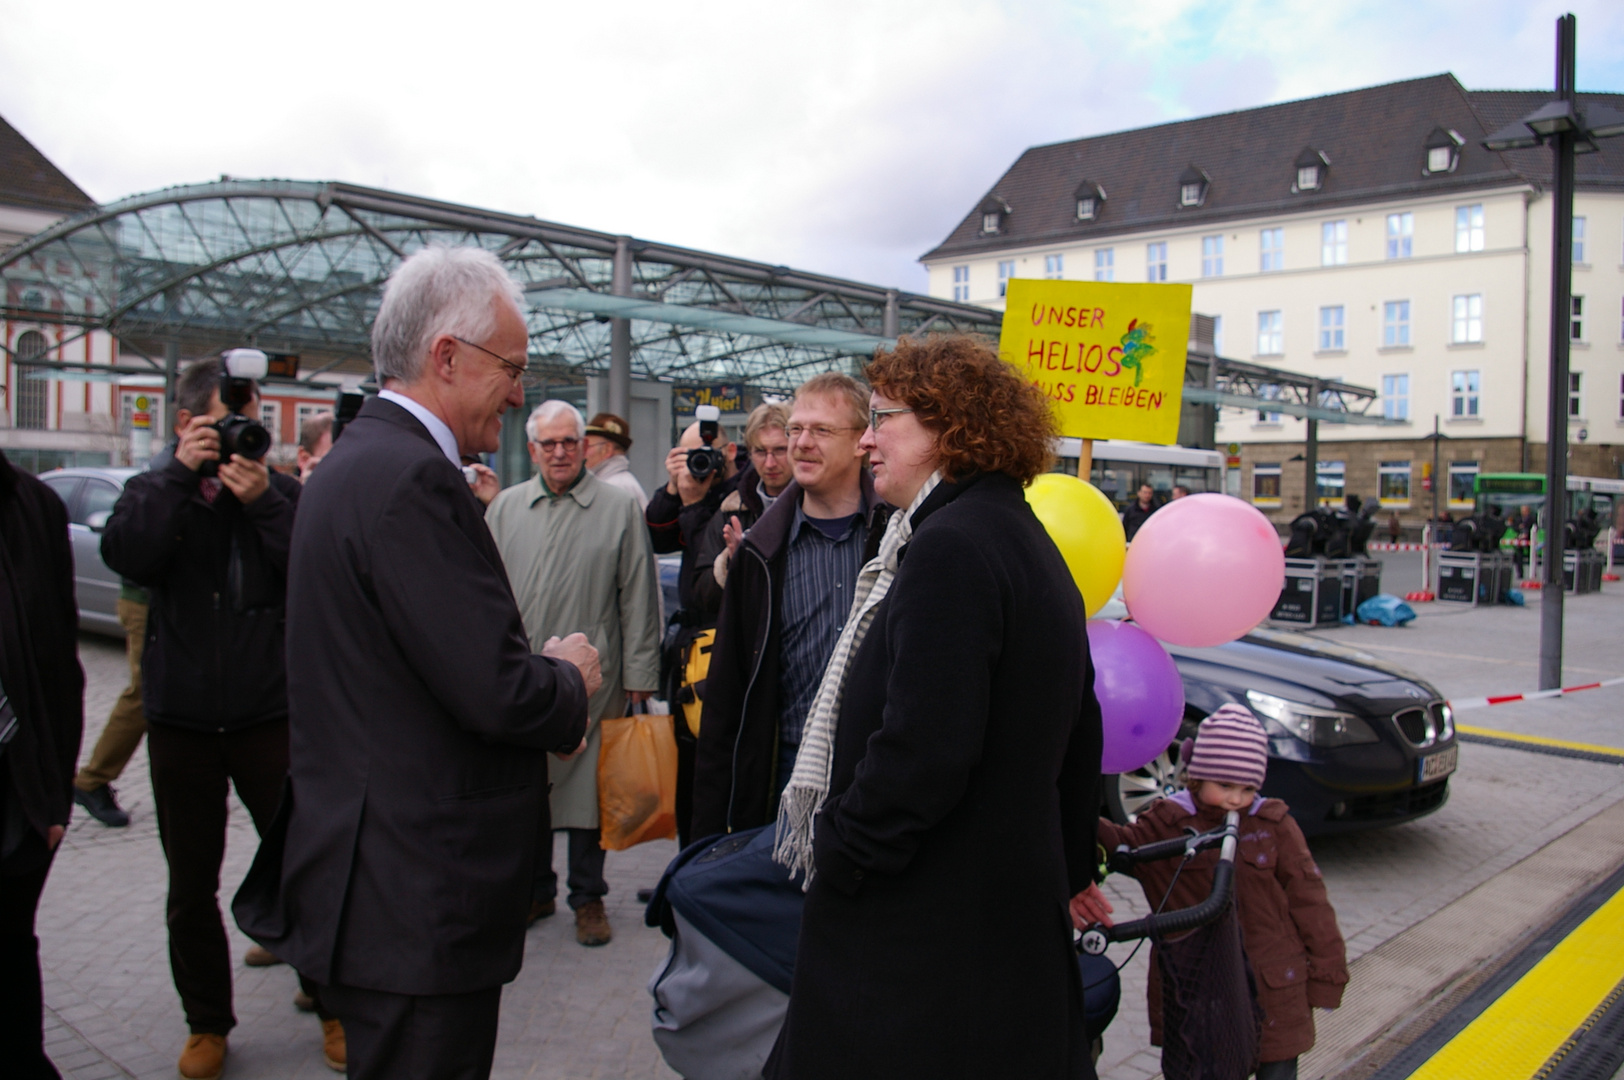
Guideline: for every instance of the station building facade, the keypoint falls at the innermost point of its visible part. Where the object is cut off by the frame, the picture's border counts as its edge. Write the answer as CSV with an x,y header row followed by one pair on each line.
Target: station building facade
x,y
1366,237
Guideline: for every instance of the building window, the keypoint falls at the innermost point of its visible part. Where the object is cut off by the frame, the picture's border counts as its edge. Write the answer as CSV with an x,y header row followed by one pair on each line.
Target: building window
x,y
1393,483
1462,474
1334,243
1400,231
1469,228
1463,393
1212,256
1271,250
307,413
270,414
1330,481
1467,325
1396,397
1006,270
1395,323
1156,261
961,283
1438,159
1270,335
989,221
1308,177
31,392
1579,240
1331,335
1443,150
1268,392
1054,266
1104,264
1266,484
1575,394
1576,318
1190,194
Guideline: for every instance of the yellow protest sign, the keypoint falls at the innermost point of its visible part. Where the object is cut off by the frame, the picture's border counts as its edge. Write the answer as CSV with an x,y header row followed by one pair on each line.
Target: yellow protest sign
x,y
1109,356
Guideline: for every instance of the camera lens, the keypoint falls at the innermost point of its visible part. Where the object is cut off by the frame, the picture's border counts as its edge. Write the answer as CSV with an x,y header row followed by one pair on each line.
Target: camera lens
x,y
702,461
242,436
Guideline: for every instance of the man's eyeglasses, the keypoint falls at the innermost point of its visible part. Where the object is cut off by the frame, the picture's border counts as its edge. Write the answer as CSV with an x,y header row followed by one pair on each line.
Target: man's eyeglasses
x,y
819,434
876,417
517,372
549,445
769,452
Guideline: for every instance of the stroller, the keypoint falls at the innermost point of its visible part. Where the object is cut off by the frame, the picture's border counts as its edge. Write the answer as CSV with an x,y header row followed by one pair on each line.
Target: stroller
x,y
734,915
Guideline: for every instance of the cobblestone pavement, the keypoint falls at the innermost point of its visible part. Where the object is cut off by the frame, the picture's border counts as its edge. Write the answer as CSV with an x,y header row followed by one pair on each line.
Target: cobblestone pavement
x,y
582,1013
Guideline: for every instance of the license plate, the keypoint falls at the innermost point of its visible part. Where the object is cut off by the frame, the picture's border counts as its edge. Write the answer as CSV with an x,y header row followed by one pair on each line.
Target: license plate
x,y
1440,764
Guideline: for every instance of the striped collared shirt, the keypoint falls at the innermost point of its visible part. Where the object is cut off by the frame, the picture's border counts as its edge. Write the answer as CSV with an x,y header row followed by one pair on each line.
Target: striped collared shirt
x,y
819,575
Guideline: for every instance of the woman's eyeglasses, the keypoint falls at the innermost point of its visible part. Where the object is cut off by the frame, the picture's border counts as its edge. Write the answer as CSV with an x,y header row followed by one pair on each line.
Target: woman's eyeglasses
x,y
876,417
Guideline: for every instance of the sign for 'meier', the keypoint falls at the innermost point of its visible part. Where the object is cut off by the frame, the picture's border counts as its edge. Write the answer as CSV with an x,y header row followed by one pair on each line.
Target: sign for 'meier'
x,y
1109,356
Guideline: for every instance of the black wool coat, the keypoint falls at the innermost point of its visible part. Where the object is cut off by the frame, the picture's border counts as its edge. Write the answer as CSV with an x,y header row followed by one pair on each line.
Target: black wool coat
x,y
936,940
402,855
39,663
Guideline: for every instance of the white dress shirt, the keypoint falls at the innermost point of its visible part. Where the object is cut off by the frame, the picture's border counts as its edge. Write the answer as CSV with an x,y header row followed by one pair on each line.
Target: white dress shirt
x,y
437,427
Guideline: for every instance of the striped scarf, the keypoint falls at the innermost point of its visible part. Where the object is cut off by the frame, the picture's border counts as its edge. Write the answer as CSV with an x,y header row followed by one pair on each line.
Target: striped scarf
x,y
809,781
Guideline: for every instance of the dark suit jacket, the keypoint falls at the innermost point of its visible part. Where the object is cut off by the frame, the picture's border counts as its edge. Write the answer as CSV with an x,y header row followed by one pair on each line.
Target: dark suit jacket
x,y
418,721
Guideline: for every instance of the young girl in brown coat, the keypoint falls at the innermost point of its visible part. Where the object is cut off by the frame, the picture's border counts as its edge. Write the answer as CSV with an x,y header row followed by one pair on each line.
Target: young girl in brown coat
x,y
1288,928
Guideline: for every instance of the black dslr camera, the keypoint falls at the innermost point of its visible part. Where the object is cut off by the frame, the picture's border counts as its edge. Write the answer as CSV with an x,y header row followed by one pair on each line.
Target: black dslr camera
x,y
705,460
239,370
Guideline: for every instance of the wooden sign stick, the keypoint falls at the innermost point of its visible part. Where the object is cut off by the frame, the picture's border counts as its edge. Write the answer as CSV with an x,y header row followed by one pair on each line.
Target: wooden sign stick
x,y
1085,460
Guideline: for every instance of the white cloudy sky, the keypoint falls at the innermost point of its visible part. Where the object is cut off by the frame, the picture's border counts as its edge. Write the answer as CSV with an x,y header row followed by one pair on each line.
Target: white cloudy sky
x,y
846,136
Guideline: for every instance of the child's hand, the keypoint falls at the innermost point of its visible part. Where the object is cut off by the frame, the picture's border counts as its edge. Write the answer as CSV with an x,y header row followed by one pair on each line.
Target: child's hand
x,y
1089,907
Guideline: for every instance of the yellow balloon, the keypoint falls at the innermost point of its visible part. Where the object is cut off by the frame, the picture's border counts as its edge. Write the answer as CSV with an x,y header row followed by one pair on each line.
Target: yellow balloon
x,y
1084,526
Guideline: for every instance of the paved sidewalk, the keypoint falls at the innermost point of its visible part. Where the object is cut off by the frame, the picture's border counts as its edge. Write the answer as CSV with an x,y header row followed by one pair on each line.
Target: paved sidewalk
x,y
582,1013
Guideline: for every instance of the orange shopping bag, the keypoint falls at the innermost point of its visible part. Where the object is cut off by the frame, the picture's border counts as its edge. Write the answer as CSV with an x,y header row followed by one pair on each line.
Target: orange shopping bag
x,y
637,781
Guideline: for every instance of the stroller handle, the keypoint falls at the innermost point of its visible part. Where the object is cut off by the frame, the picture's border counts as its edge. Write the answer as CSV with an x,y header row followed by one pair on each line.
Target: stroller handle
x,y
1098,936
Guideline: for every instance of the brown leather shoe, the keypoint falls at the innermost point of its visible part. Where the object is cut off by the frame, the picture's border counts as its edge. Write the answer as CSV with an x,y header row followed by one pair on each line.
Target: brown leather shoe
x,y
592,924
332,1044
540,909
260,956
204,1057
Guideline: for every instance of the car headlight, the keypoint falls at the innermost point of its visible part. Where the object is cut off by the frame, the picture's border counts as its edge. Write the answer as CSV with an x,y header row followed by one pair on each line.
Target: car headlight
x,y
1315,726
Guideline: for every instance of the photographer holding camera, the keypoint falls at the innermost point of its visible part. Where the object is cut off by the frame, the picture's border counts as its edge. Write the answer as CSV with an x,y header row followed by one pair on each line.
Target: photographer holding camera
x,y
703,471
208,534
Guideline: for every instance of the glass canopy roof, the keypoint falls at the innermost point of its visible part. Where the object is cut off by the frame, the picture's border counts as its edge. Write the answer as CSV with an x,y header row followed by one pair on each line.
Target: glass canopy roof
x,y
298,267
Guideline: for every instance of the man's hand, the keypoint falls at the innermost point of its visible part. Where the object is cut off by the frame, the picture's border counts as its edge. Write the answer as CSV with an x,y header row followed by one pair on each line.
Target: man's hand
x,y
676,464
732,533
200,442
572,753
1089,907
682,483
246,477
578,651
488,486
53,837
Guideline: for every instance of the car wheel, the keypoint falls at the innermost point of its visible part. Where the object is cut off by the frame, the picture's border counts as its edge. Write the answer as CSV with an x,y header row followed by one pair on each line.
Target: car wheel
x,y
1126,794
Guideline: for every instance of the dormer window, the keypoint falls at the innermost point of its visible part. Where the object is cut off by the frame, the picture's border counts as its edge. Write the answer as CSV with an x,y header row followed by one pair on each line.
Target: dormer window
x,y
1443,151
1193,184
1311,166
993,211
1090,200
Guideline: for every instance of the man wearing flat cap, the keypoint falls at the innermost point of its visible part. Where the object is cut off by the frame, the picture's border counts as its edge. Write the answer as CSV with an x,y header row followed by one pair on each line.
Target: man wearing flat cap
x,y
608,437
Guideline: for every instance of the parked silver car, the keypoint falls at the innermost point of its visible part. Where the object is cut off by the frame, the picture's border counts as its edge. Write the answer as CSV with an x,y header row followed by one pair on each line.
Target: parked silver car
x,y
90,494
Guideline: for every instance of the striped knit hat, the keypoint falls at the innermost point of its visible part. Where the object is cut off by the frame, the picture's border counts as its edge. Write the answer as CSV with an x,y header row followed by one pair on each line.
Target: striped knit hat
x,y
1230,746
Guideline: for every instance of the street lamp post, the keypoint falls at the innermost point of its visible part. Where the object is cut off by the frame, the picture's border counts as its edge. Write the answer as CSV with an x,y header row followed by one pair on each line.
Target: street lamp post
x,y
1568,129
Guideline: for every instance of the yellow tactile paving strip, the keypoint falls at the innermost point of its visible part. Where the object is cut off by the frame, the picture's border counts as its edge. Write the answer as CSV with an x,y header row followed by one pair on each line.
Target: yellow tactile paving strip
x,y
1516,1035
1540,740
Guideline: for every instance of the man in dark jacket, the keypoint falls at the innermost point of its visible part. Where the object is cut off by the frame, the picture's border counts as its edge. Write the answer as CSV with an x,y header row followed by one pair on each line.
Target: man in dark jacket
x,y
213,551
39,742
398,875
1138,511
678,513
789,590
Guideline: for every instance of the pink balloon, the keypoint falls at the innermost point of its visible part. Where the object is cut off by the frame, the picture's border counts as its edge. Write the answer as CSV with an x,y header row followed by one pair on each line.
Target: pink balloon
x,y
1203,570
1140,693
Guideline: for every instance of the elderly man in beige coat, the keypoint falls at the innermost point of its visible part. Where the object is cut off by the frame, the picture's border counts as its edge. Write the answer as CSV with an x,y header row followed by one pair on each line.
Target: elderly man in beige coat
x,y
579,559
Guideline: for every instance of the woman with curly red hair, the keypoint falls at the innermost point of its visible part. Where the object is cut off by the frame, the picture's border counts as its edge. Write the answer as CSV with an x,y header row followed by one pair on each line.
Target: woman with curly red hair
x,y
943,804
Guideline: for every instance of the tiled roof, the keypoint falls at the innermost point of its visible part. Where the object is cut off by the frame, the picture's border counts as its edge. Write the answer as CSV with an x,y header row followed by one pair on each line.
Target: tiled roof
x,y
1374,139
27,177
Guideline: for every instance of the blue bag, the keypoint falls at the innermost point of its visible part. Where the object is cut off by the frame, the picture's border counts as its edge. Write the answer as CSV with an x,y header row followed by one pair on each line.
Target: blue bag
x,y
1387,609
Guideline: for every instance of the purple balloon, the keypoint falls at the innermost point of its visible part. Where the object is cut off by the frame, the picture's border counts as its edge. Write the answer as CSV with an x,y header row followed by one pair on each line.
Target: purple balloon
x,y
1140,693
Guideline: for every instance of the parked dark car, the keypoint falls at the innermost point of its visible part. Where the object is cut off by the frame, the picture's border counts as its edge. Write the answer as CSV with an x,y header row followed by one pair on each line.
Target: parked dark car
x,y
90,494
1354,741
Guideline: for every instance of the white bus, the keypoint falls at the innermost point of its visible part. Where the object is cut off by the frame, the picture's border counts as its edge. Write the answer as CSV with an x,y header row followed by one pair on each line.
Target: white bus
x,y
1120,467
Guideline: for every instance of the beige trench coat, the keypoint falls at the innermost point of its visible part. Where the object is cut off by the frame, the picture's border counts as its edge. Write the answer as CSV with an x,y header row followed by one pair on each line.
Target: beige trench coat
x,y
582,561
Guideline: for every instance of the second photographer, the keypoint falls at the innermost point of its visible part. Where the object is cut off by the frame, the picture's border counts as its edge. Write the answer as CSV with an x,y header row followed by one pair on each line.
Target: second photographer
x,y
209,537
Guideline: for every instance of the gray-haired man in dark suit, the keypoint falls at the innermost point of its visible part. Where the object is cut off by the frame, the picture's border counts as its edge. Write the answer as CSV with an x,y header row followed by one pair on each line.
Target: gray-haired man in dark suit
x,y
420,719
